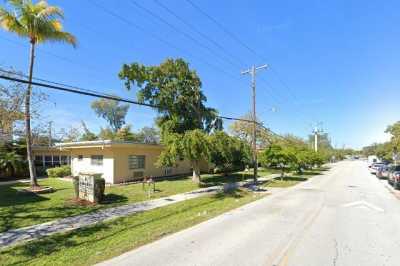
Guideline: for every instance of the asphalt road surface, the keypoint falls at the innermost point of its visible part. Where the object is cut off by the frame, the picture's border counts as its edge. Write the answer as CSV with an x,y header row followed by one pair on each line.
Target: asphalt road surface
x,y
344,217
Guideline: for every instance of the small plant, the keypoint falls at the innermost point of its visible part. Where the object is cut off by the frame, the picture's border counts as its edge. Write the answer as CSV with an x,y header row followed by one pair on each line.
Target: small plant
x,y
62,171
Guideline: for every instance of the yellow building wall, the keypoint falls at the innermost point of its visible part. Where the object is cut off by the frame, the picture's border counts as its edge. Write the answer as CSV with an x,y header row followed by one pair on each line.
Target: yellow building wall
x,y
151,153
115,168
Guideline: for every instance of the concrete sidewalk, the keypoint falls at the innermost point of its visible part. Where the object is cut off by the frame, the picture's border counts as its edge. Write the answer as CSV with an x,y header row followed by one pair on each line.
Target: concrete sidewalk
x,y
13,237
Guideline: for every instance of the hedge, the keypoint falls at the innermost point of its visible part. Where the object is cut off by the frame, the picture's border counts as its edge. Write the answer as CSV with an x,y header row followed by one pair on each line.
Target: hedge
x,y
59,171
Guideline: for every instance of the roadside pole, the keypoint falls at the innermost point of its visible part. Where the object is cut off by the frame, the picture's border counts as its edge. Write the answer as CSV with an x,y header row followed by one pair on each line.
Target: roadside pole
x,y
252,71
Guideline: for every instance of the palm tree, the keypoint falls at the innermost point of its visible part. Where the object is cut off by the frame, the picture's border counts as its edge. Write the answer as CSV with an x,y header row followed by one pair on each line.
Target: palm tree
x,y
11,162
39,23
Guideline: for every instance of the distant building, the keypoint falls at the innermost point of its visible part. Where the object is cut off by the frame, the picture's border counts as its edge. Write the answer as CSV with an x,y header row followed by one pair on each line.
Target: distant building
x,y
118,162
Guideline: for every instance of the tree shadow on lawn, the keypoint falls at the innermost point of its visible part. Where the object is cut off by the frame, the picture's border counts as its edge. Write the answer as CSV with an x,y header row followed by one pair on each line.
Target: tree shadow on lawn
x,y
111,198
86,236
220,179
9,196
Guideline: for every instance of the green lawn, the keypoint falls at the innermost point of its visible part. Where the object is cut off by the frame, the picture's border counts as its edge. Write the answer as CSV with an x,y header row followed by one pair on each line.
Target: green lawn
x,y
20,210
292,179
89,245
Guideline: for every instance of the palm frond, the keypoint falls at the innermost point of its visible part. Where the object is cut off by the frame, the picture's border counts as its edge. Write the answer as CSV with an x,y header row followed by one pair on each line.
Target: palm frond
x,y
10,23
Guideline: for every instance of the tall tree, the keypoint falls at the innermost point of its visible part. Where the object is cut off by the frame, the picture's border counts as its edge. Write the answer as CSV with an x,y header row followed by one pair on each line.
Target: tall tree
x,y
38,22
176,91
87,134
183,118
192,145
148,135
244,131
112,111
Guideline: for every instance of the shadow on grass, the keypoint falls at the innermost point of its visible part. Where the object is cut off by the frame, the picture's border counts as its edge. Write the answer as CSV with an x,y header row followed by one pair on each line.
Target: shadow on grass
x,y
292,178
98,232
314,172
9,196
111,198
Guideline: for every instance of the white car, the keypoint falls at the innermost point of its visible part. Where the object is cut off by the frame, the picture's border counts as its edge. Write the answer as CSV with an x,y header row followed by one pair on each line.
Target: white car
x,y
374,167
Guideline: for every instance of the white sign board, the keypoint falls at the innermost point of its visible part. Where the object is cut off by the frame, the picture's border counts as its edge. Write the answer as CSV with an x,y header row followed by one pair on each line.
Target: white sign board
x,y
86,187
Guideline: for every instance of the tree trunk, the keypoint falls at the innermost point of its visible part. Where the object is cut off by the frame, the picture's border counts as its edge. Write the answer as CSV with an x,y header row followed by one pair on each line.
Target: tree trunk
x,y
196,172
28,135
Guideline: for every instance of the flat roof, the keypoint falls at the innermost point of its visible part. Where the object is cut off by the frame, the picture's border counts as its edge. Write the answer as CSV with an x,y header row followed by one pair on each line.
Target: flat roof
x,y
96,143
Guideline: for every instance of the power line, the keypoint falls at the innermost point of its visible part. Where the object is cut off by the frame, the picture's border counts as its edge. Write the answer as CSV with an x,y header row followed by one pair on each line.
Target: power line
x,y
210,40
156,37
193,28
239,41
187,35
73,89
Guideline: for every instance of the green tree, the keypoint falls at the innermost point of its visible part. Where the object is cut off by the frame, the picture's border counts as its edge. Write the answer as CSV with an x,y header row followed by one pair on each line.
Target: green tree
x,y
112,111
278,156
39,23
148,135
184,120
192,145
244,131
125,134
106,134
228,153
176,91
87,134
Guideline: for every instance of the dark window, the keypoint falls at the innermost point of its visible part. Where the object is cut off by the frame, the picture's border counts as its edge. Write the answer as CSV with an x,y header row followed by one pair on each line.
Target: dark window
x,y
39,160
64,160
56,159
137,161
48,160
97,159
80,157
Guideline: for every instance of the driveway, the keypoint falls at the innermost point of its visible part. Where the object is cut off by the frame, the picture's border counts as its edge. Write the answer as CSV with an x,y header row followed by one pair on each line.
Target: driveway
x,y
345,217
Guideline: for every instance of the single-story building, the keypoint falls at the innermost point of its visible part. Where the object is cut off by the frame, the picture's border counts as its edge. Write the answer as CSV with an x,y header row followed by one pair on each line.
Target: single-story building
x,y
117,161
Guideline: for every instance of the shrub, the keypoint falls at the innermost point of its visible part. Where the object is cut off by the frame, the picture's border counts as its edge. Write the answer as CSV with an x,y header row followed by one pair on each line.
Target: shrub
x,y
59,171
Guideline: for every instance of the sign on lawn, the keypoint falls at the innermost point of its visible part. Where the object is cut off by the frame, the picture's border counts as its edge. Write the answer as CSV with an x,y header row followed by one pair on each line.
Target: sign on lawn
x,y
86,187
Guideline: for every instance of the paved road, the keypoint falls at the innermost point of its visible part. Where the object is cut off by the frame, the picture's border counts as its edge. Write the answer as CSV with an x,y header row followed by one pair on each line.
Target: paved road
x,y
346,217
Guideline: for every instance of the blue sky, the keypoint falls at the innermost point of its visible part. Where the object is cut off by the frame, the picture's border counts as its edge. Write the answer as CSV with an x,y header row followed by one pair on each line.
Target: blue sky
x,y
332,61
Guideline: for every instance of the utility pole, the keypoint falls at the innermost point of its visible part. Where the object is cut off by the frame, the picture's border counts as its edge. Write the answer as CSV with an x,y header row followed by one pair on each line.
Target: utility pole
x,y
253,71
316,132
50,134
316,139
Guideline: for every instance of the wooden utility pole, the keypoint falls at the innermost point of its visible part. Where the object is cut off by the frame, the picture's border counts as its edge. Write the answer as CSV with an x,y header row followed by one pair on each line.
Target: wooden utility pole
x,y
253,71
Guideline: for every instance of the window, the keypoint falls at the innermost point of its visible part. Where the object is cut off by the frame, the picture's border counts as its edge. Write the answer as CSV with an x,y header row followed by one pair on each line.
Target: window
x,y
39,160
136,161
56,159
80,157
48,161
97,159
64,160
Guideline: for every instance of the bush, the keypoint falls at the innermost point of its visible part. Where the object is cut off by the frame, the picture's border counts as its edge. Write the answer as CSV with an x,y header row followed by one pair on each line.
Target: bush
x,y
59,171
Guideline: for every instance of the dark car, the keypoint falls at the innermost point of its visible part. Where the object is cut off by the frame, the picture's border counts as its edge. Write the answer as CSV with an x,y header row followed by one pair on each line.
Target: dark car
x,y
394,176
383,172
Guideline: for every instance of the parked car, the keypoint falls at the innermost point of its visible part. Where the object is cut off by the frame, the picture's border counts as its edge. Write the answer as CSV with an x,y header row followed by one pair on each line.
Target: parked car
x,y
374,167
394,176
383,172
